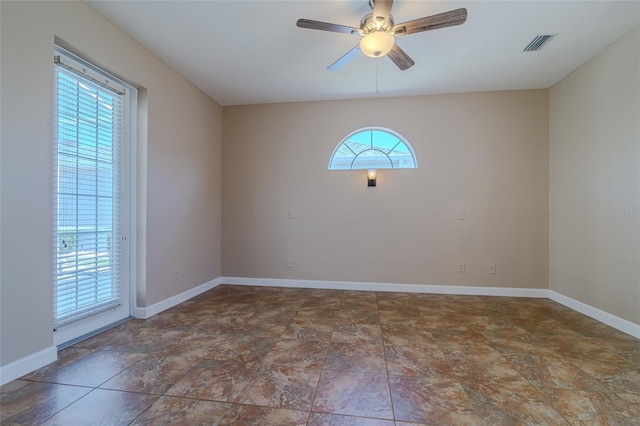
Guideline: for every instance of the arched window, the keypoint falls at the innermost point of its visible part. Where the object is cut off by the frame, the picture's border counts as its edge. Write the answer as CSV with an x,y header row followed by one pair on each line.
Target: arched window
x,y
373,148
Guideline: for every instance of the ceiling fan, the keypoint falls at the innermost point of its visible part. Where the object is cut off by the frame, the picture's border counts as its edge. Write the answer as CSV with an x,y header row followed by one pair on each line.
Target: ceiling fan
x,y
378,32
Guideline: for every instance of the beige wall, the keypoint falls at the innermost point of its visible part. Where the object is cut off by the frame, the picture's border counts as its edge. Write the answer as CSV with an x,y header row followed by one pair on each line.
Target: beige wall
x,y
180,144
594,175
485,153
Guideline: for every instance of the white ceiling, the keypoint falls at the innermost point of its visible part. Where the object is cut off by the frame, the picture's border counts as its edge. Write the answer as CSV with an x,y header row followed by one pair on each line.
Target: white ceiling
x,y
247,52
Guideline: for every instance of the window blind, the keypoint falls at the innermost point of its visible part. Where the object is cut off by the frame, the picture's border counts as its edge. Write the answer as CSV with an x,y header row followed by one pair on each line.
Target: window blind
x,y
87,193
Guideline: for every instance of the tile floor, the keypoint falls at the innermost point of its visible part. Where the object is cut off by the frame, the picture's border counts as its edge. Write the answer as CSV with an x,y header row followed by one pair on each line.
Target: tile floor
x,y
279,356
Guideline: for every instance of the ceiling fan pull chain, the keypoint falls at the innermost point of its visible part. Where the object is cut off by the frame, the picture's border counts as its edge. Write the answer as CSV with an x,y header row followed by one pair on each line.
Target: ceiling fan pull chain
x,y
376,78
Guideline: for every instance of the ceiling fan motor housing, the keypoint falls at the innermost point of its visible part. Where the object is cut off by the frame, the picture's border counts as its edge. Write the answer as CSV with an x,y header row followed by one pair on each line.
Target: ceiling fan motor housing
x,y
370,24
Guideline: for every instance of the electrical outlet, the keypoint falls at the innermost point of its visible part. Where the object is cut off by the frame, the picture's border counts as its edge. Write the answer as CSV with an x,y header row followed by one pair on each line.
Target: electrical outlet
x,y
492,268
460,267
289,263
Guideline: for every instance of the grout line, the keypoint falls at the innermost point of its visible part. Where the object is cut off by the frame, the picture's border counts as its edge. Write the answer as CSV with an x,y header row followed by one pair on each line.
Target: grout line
x,y
386,364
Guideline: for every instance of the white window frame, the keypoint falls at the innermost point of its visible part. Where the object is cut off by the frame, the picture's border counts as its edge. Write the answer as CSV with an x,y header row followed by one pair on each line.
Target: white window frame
x,y
70,332
395,134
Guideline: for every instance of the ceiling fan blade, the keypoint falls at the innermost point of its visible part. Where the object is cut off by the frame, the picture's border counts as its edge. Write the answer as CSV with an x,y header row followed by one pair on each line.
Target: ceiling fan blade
x,y
433,22
401,59
345,59
326,26
382,8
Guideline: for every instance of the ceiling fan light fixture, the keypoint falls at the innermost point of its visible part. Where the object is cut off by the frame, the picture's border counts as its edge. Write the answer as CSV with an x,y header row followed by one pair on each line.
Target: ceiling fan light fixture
x,y
377,43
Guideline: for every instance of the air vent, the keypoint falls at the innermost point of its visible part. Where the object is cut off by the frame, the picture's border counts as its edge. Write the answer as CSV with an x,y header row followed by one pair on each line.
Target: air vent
x,y
538,42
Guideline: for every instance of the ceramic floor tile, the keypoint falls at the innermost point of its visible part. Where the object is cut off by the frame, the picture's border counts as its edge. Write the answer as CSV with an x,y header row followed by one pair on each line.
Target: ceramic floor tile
x,y
324,294
440,304
249,349
356,394
145,340
431,401
592,328
407,335
36,402
618,378
514,347
399,316
275,309
503,392
632,398
553,372
298,353
228,311
358,315
324,302
410,361
283,301
395,301
65,357
357,357
316,313
540,327
321,419
629,411
498,328
229,319
249,415
361,299
482,362
448,322
168,411
584,407
281,387
153,374
524,413
13,386
308,330
459,341
216,380
221,324
177,320
194,345
103,407
631,357
93,369
513,401
259,327
357,333
597,349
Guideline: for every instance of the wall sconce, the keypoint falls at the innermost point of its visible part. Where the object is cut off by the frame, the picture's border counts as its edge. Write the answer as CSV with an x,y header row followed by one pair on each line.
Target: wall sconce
x,y
371,177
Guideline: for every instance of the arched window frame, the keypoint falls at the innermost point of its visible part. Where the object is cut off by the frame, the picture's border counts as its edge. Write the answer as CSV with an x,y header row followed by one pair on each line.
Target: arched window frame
x,y
401,139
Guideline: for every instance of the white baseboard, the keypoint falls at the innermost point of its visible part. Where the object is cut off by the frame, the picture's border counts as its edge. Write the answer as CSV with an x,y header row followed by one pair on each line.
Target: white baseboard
x,y
408,288
156,308
590,311
597,314
29,363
